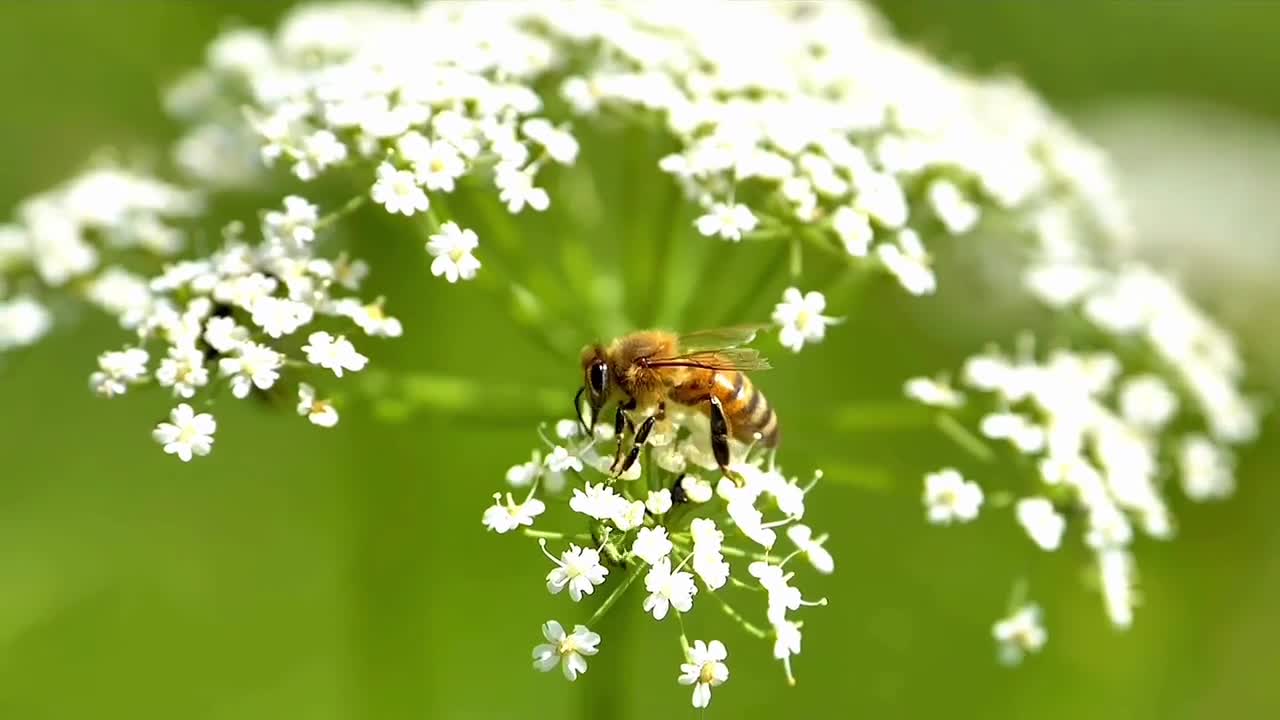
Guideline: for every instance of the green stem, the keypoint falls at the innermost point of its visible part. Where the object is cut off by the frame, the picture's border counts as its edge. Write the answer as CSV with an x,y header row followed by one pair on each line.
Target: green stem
x,y
739,311
746,625
965,439
606,692
614,596
349,207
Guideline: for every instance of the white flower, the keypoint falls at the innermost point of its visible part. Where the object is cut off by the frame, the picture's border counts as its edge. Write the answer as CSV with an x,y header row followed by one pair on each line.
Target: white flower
x,y
782,596
186,434
881,197
117,369
668,589
504,517
696,490
320,150
560,145
516,189
336,354
121,293
560,460
398,191
436,165
708,562
935,393
785,644
1147,402
727,221
244,290
319,412
630,516
296,225
953,209
451,248
597,501
223,334
1017,429
279,316
183,370
566,650
704,670
1041,521
652,545
1019,634
371,318
566,429
949,498
659,501
854,230
812,548
1207,469
748,518
252,366
907,260
578,569
1115,569
524,474
800,319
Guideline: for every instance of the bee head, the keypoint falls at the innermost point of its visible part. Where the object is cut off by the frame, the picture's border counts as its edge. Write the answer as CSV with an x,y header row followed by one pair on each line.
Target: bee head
x,y
596,383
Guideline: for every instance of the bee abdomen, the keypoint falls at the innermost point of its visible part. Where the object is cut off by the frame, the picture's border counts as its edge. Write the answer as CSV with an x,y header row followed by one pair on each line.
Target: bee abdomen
x,y
747,409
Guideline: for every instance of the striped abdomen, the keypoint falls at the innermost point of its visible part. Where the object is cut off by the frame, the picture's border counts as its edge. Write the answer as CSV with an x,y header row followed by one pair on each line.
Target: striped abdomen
x,y
746,408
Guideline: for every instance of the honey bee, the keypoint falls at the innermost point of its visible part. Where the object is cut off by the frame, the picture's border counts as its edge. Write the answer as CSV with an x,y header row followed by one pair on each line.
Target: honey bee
x,y
703,371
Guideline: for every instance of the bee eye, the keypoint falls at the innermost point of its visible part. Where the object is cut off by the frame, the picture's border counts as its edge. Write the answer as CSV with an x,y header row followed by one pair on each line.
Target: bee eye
x,y
597,375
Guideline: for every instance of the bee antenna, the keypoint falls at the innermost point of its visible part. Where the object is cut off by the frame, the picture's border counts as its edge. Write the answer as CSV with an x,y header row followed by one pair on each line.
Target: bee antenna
x,y
577,411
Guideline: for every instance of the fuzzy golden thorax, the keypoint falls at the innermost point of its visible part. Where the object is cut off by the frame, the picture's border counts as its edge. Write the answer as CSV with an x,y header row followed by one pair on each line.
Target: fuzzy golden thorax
x,y
618,371
627,358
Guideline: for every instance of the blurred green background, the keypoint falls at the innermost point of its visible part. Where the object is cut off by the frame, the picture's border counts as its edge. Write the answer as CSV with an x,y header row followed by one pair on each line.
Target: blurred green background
x,y
300,575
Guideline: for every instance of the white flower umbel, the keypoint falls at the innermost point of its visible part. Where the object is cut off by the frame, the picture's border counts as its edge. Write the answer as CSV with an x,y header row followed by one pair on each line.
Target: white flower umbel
x,y
1102,438
569,651
1019,634
223,321
819,118
704,670
187,434
800,320
716,548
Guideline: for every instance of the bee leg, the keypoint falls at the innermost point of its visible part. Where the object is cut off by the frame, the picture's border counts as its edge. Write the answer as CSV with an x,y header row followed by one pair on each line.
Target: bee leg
x,y
677,491
641,436
621,422
720,436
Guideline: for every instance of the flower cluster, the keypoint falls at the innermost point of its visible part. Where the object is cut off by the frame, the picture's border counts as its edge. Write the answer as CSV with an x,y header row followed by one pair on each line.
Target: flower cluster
x,y
230,322
675,521
809,122
80,238
1102,429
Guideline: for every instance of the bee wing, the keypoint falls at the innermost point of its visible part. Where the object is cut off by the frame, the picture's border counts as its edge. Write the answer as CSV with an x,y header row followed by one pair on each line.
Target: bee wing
x,y
722,359
718,338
